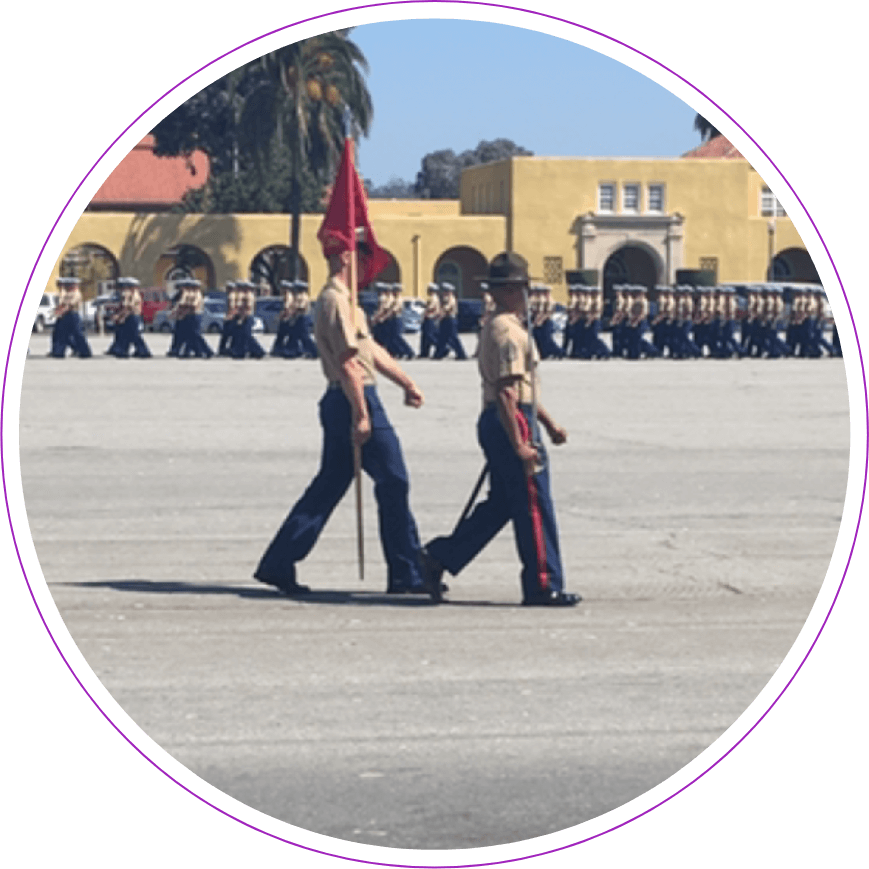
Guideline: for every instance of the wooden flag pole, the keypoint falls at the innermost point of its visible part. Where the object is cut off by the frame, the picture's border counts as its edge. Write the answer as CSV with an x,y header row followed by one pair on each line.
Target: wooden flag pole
x,y
357,449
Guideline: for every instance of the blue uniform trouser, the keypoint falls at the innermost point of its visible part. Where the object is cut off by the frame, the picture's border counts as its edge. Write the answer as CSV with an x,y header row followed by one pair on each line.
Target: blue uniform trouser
x,y
596,346
60,337
68,332
245,344
126,334
448,339
399,346
383,462
302,332
512,497
428,337
226,335
279,347
192,342
179,338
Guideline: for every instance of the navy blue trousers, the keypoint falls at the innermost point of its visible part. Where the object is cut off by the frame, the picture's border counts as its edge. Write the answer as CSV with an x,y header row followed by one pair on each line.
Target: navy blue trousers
x,y
243,343
448,339
226,334
383,462
428,337
398,346
302,336
127,334
69,332
512,497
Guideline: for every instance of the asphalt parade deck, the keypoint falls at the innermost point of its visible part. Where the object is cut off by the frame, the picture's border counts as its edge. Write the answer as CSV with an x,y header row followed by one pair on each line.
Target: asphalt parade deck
x,y
698,502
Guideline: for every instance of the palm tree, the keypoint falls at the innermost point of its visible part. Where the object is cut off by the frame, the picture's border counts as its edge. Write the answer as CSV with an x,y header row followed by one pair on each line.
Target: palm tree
x,y
705,128
300,100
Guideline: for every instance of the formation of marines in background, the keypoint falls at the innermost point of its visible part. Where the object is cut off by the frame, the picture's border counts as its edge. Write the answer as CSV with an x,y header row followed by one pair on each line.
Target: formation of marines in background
x,y
682,322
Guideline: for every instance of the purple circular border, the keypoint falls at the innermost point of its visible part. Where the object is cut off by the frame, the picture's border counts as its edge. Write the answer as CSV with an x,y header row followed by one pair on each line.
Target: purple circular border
x,y
3,417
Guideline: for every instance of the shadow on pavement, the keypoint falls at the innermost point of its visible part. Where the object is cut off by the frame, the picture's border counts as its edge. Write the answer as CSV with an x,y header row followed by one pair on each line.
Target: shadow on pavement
x,y
357,598
153,586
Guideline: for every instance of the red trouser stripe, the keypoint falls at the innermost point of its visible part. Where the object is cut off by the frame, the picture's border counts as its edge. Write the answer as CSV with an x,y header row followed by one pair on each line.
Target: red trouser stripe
x,y
534,511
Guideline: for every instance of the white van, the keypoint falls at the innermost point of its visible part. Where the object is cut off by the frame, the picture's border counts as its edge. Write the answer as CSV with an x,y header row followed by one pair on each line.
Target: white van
x,y
45,312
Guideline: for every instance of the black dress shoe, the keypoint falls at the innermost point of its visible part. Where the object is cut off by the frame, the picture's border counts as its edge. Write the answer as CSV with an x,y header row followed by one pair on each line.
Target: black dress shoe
x,y
432,571
287,586
554,598
409,589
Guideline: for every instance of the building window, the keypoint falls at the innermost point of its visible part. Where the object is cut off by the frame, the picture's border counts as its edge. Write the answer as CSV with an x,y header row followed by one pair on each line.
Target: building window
x,y
769,205
606,197
656,198
631,198
710,264
553,269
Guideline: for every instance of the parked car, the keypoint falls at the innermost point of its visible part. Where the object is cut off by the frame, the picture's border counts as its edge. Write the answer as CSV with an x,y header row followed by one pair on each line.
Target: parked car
x,y
101,308
268,308
213,315
45,312
411,315
153,299
469,313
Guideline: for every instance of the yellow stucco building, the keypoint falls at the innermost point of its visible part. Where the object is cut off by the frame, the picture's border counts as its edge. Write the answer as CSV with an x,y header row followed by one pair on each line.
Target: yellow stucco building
x,y
635,220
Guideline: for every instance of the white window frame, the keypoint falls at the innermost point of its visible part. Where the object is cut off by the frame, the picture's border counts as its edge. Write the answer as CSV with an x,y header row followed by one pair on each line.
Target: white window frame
x,y
633,209
600,186
663,188
769,204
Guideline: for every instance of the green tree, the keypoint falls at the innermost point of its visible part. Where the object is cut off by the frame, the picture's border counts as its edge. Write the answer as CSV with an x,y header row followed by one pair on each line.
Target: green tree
x,y
306,91
441,171
705,128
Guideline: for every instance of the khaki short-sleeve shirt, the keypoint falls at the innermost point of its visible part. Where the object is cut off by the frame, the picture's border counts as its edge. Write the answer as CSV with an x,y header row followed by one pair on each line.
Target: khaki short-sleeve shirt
x,y
432,307
70,299
503,353
335,333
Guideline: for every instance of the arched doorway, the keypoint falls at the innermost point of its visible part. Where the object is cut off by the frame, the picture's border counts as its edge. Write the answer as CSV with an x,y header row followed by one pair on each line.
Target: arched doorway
x,y
794,264
272,265
93,265
630,264
462,267
184,261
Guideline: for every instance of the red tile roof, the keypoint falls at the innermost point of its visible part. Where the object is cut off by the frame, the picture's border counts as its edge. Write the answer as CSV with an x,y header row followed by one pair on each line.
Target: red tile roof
x,y
142,180
719,148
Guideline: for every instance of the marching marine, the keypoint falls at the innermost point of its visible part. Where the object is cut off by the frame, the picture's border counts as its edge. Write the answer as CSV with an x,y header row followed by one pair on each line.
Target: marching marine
x,y
301,343
281,345
402,350
68,330
519,490
245,344
128,322
448,331
230,321
430,322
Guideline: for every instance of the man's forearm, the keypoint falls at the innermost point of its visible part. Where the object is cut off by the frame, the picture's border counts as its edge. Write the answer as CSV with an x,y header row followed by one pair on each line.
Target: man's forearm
x,y
507,410
387,366
351,384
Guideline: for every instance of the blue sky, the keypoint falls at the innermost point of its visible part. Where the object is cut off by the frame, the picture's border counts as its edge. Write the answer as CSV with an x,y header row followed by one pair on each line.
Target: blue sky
x,y
449,84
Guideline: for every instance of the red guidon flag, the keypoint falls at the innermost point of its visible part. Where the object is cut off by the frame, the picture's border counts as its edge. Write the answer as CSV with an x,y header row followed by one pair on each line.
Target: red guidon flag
x,y
346,225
